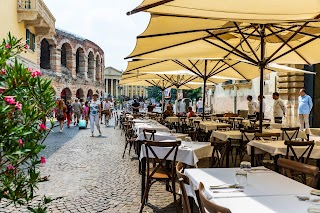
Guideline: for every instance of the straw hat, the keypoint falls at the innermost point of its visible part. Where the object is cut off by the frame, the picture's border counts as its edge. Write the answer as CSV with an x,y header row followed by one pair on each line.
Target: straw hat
x,y
96,94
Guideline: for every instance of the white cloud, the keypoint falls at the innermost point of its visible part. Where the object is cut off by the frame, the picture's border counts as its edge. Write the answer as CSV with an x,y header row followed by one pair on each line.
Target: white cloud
x,y
104,22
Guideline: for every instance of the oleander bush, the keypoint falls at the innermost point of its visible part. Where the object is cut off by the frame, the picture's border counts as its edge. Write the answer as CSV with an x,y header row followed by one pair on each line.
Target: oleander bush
x,y
25,100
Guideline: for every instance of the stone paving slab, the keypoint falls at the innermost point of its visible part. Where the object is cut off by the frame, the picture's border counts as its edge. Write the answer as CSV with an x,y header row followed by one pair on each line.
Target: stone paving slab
x,y
91,176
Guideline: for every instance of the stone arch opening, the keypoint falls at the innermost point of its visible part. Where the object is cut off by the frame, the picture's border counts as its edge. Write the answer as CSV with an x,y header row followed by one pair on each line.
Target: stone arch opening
x,y
80,62
66,94
98,68
45,54
89,94
66,56
91,65
79,93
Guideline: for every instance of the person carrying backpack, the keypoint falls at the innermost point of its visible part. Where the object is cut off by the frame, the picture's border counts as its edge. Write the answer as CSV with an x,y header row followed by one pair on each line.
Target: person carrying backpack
x,y
61,113
69,113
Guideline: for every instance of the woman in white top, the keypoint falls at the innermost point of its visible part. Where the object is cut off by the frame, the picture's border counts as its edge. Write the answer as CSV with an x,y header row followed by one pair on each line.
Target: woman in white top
x,y
95,113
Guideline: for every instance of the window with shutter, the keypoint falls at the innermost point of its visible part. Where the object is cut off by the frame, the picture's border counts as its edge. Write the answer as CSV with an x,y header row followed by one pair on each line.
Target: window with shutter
x,y
28,36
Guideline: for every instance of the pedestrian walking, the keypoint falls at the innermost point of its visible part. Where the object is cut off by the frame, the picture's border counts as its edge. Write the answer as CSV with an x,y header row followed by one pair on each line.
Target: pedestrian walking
x,y
69,113
200,105
85,114
61,113
258,107
106,111
279,110
252,106
77,111
304,109
95,113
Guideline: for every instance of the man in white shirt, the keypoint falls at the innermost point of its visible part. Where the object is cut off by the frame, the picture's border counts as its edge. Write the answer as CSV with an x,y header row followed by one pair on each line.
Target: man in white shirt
x,y
200,105
106,108
252,106
279,109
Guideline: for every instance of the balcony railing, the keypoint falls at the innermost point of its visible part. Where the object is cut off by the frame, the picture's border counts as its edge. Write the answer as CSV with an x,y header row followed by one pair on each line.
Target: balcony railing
x,y
37,14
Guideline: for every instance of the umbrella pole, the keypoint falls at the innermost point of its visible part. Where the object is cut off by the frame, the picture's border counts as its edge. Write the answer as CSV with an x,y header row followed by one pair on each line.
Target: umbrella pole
x,y
204,89
261,67
162,99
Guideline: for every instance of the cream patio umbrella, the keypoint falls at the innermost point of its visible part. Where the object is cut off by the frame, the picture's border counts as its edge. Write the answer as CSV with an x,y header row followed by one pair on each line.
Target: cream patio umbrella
x,y
181,79
260,41
216,71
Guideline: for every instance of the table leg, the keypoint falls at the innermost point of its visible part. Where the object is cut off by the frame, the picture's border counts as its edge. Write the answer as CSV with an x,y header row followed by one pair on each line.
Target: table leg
x,y
143,176
228,153
252,156
138,153
276,166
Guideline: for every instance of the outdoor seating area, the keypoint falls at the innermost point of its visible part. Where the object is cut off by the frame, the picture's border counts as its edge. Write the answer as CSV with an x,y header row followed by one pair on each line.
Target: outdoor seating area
x,y
274,165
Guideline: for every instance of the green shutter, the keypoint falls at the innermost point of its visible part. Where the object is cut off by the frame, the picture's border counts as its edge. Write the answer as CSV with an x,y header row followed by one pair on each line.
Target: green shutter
x,y
33,42
28,36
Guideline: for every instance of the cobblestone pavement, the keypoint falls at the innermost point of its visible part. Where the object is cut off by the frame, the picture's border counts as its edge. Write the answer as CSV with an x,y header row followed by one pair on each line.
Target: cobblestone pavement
x,y
91,176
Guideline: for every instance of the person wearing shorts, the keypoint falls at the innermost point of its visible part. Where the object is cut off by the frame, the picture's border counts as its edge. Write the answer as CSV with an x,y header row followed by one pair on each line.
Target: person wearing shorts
x,y
77,111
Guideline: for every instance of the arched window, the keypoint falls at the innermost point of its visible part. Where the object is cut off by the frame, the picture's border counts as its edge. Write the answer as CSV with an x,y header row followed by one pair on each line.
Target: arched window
x,y
66,56
80,61
45,54
91,65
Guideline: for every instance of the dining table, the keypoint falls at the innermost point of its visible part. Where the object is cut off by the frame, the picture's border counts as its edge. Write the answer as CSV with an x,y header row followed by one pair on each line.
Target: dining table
x,y
154,125
188,152
161,136
212,125
277,148
266,191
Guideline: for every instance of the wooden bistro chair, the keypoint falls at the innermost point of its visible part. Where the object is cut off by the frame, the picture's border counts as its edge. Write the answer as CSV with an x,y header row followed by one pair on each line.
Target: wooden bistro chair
x,y
218,153
260,157
209,206
151,137
130,139
185,200
304,157
159,172
286,135
289,168
189,192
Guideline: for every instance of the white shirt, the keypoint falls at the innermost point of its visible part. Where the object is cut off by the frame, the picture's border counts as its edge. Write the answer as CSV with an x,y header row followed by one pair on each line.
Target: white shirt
x,y
278,108
263,107
94,107
200,104
106,105
252,106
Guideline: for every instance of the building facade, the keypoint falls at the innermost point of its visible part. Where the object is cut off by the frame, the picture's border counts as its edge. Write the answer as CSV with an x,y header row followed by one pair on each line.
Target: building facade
x,y
74,64
112,77
29,20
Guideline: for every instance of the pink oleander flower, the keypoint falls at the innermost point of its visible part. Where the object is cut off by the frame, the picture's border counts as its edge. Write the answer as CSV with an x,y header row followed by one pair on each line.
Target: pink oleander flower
x,y
20,142
10,167
42,126
35,73
26,46
9,100
7,46
3,71
43,160
30,69
18,105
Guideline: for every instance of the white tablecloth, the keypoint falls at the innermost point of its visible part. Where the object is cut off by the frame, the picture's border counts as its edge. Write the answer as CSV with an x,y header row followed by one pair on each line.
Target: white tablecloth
x,y
172,119
140,121
301,134
211,125
278,148
140,126
267,191
189,156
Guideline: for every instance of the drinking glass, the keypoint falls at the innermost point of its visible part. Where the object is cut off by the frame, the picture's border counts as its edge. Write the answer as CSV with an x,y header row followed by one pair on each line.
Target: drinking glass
x,y
241,178
314,209
188,139
245,166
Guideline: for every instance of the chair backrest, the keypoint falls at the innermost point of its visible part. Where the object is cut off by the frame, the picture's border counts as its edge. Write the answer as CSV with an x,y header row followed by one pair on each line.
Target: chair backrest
x,y
208,205
286,130
260,136
185,199
245,134
196,124
218,152
304,157
288,167
151,131
173,148
180,174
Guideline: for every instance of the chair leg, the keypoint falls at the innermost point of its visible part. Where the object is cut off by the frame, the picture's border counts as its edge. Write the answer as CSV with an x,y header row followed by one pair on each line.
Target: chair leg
x,y
130,147
145,196
191,203
125,149
175,195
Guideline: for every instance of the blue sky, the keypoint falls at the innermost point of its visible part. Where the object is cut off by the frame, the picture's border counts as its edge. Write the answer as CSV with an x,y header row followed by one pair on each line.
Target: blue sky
x,y
104,22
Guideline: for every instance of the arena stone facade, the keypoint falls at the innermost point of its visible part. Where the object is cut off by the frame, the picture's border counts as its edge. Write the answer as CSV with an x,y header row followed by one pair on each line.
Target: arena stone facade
x,y
74,64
